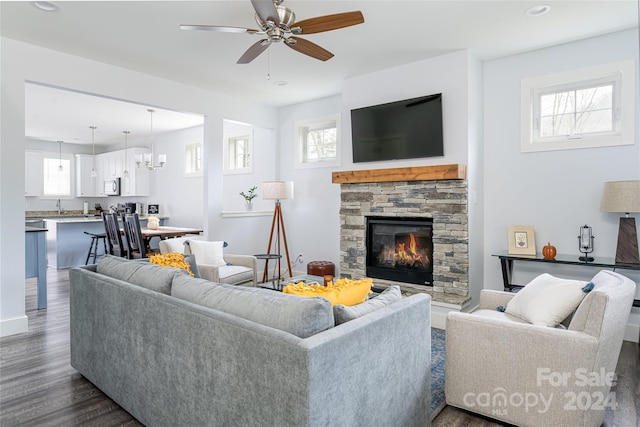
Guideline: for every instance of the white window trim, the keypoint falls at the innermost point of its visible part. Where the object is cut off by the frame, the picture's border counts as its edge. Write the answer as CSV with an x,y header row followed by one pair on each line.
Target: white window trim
x,y
625,130
72,175
227,167
197,173
299,164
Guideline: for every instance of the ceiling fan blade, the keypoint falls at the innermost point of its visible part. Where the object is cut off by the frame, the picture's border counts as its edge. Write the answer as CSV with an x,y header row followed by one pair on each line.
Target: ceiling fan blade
x,y
309,48
266,10
252,53
330,22
218,28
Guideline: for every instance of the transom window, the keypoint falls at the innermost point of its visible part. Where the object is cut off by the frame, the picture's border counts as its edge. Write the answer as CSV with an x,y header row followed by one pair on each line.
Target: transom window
x,y
579,109
318,142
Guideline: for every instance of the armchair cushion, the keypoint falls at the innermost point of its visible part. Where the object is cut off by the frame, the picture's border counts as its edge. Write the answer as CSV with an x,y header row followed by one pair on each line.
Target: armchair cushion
x,y
208,253
235,274
547,300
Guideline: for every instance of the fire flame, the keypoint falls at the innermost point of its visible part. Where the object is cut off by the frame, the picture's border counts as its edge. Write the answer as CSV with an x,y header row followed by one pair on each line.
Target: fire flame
x,y
407,255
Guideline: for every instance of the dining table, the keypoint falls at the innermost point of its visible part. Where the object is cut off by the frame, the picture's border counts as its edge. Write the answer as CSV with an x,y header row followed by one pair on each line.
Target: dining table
x,y
164,232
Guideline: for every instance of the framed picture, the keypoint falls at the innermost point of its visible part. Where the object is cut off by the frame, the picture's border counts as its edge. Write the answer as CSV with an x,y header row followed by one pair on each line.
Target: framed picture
x,y
521,240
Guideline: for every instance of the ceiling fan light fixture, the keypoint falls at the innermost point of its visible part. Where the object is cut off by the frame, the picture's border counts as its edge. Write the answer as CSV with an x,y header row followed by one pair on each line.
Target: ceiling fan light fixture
x,y
538,10
46,6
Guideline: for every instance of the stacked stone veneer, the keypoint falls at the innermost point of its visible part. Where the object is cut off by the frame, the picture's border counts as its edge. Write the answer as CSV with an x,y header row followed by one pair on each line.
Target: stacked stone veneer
x,y
444,201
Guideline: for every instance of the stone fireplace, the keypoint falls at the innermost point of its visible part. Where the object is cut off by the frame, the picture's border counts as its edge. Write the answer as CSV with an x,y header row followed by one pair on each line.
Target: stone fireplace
x,y
434,193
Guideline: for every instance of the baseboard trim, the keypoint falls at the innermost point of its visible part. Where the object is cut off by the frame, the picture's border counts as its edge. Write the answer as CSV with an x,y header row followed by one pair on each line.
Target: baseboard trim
x,y
14,326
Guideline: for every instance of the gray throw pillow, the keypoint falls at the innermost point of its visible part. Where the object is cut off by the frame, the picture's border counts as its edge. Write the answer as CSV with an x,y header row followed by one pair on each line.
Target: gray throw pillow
x,y
191,260
343,313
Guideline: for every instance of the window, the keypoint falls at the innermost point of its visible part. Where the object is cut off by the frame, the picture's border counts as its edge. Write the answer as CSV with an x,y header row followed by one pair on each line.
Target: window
x,y
239,152
579,109
56,183
318,142
193,159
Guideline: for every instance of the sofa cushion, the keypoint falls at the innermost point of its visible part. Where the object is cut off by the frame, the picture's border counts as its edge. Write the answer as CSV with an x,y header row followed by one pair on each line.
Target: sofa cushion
x,y
547,300
343,313
302,317
177,244
235,274
143,274
208,253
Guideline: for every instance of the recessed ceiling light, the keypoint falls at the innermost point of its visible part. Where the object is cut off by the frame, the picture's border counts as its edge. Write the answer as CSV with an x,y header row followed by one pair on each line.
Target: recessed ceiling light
x,y
47,6
538,10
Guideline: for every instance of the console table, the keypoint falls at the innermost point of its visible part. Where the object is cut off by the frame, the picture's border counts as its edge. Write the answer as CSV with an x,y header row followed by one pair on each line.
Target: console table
x,y
507,260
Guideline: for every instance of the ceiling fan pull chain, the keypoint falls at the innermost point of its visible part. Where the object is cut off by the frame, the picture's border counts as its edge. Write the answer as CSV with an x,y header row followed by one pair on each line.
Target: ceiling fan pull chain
x,y
268,65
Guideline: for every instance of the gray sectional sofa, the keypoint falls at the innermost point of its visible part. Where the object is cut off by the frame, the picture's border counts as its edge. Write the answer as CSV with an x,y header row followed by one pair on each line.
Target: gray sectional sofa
x,y
173,350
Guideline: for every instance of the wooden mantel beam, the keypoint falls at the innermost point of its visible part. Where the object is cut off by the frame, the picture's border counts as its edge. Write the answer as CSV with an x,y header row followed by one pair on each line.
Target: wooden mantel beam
x,y
416,173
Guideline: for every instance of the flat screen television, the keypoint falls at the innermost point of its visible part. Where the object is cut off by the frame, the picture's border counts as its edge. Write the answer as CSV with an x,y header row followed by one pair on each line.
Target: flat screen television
x,y
406,129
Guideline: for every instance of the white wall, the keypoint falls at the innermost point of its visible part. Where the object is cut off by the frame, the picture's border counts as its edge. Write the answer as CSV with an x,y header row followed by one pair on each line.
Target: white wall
x,y
555,191
23,62
179,196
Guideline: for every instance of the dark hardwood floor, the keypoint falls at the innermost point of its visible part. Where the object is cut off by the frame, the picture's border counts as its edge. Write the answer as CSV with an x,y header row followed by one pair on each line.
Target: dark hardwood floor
x,y
38,386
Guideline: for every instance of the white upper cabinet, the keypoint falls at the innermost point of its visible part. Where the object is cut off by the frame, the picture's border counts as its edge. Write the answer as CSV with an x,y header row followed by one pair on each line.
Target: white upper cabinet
x,y
137,183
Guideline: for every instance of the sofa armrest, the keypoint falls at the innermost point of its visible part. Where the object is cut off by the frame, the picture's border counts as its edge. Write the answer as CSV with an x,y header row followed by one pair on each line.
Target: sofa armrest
x,y
490,299
209,272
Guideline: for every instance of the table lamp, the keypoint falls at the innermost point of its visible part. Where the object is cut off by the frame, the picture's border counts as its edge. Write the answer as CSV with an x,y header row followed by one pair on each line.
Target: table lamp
x,y
277,190
624,197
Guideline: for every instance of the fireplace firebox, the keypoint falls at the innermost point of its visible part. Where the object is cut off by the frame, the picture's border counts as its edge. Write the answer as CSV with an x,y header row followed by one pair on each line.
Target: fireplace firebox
x,y
400,249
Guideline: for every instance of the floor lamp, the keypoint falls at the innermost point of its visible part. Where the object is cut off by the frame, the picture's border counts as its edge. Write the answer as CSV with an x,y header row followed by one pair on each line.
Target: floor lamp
x,y
277,190
624,197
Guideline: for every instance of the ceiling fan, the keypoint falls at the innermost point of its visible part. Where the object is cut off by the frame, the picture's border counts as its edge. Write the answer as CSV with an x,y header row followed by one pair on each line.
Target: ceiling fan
x,y
277,24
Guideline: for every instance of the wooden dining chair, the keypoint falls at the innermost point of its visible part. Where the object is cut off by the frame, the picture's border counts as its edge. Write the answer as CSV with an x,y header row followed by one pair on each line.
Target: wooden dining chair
x,y
114,238
137,245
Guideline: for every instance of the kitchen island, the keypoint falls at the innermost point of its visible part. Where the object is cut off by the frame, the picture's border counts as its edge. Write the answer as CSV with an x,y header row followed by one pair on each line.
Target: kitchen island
x,y
36,262
67,244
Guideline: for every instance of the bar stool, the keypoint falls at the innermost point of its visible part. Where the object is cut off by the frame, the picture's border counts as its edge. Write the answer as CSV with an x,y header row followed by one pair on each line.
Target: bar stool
x,y
93,247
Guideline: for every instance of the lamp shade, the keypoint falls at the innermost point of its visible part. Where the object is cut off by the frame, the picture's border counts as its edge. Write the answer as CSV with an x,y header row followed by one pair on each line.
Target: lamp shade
x,y
621,196
277,190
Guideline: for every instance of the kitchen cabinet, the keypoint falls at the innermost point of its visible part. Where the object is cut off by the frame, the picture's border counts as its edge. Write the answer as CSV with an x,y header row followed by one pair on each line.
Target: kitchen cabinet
x,y
112,164
33,174
86,185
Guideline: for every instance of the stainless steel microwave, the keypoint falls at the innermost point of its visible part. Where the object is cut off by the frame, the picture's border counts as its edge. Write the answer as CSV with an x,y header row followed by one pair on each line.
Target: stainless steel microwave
x,y
112,187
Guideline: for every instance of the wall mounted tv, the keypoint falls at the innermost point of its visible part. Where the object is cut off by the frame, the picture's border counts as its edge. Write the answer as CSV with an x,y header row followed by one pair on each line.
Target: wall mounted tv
x,y
406,129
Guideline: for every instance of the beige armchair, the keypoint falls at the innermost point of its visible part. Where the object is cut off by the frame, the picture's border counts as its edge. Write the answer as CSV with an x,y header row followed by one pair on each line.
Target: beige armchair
x,y
238,269
505,368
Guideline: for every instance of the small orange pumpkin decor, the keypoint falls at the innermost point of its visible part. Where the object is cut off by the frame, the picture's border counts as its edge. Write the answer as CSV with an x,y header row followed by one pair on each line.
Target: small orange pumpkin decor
x,y
549,252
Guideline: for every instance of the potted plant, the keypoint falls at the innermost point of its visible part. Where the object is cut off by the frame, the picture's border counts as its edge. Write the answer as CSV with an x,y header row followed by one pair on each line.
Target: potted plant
x,y
249,196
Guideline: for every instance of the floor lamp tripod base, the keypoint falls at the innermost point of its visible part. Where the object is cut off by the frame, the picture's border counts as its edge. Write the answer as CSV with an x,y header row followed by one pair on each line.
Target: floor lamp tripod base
x,y
627,249
277,228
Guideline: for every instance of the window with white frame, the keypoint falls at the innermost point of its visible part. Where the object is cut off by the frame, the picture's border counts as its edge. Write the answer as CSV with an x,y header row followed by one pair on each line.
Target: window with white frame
x,y
579,109
239,150
193,159
56,176
318,142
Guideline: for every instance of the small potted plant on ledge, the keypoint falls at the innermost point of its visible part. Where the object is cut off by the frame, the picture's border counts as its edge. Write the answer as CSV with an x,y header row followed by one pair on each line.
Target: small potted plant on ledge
x,y
249,196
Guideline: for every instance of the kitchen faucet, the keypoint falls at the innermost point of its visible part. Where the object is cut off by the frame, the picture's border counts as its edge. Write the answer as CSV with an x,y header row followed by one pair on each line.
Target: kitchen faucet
x,y
59,206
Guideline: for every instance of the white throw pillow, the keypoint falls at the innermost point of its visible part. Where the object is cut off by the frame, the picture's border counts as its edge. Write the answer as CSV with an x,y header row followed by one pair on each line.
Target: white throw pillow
x,y
547,300
208,253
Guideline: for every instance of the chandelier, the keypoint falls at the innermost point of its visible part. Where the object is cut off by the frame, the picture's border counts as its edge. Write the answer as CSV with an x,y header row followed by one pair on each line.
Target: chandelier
x,y
147,158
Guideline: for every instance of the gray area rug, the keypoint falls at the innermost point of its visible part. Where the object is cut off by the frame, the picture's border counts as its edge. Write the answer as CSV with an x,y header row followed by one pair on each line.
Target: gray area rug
x,y
437,371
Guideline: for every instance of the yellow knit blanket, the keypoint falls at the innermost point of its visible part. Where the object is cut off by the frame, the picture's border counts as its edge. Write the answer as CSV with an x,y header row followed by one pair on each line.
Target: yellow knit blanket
x,y
342,291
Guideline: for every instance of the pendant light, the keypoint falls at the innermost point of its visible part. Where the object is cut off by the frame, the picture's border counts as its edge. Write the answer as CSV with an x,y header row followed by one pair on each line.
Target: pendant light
x,y
147,159
125,172
60,168
94,172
